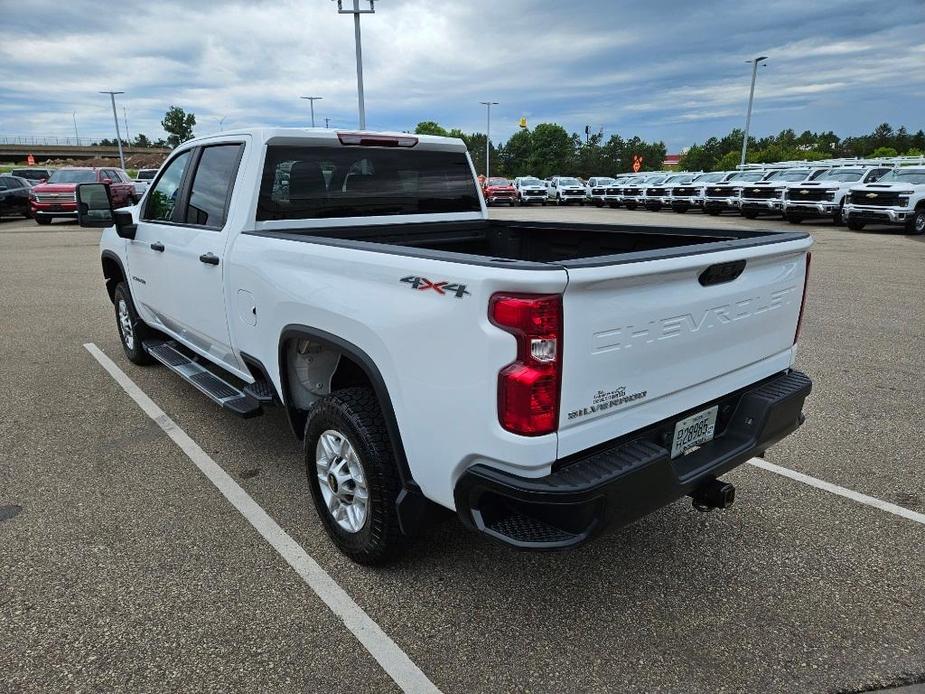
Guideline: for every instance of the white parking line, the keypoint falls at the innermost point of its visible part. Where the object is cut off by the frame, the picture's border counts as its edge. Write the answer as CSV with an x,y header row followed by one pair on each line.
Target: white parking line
x,y
393,659
841,491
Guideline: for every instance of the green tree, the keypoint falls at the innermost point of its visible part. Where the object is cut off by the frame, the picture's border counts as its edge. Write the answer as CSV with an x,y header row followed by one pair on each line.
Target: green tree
x,y
142,141
884,152
429,127
514,156
552,150
178,124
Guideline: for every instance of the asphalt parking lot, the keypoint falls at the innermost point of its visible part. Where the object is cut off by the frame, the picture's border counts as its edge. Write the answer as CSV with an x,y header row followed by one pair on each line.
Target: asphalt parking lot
x,y
122,566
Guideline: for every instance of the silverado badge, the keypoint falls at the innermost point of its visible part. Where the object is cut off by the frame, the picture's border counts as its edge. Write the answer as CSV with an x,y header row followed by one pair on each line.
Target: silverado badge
x,y
871,195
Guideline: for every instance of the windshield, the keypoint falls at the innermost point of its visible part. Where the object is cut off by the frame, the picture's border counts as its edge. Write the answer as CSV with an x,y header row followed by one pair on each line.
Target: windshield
x,y
569,182
318,182
531,182
710,177
603,181
73,176
913,176
843,175
498,182
748,176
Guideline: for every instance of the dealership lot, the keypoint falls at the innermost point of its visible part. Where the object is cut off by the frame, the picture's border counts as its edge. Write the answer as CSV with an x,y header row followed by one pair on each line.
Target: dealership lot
x,y
126,568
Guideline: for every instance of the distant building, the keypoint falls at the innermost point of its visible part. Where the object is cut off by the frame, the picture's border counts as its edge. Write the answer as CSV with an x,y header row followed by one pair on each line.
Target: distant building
x,y
671,161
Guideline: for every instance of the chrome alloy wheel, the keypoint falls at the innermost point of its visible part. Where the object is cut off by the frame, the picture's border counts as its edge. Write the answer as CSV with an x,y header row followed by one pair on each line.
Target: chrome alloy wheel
x,y
125,323
920,223
342,480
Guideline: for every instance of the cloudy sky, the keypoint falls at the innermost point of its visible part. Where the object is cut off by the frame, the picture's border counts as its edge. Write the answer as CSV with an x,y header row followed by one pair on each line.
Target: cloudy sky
x,y
670,70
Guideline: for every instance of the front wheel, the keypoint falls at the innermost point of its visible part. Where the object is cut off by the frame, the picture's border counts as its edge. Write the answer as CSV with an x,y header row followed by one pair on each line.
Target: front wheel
x,y
855,225
749,214
352,475
793,218
916,223
132,330
43,220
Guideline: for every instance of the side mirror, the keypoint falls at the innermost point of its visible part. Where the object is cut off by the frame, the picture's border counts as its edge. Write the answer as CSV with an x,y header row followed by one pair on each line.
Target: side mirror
x,y
125,225
94,207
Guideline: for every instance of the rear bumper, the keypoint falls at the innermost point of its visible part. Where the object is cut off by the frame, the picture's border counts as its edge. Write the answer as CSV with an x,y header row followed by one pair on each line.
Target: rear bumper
x,y
613,485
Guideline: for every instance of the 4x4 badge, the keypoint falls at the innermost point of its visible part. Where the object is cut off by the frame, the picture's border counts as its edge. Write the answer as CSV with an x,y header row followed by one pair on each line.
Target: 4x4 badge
x,y
443,288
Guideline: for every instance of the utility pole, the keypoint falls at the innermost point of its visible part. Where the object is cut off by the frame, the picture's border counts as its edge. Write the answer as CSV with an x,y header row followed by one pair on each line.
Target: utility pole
x,y
112,97
128,138
751,97
76,134
356,12
326,120
311,100
488,105
221,122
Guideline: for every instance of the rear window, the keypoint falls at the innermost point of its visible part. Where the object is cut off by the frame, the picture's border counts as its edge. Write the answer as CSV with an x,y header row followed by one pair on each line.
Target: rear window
x,y
320,182
146,174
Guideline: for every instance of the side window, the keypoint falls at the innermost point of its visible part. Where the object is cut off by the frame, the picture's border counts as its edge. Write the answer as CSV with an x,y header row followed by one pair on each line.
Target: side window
x,y
214,178
875,175
163,198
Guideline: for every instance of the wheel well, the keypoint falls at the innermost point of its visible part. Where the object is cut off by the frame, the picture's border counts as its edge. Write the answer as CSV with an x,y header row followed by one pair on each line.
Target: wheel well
x,y
112,271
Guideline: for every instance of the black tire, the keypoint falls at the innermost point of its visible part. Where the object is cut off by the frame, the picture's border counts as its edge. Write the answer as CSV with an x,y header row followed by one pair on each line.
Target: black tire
x,y
713,213
915,225
793,217
631,205
355,413
750,214
855,225
43,220
132,335
544,203
838,218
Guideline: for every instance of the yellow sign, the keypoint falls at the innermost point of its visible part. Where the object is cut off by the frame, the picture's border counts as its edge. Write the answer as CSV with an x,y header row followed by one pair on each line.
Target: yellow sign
x,y
523,122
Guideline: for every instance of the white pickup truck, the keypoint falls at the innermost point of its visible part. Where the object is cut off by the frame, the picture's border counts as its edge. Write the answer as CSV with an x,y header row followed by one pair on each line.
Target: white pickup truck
x,y
826,195
545,381
898,198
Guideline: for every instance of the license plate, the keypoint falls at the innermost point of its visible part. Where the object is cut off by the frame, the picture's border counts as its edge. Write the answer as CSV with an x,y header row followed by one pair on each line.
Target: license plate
x,y
693,431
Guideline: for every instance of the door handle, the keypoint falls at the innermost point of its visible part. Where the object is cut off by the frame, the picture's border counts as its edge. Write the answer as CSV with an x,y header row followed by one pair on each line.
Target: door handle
x,y
157,246
209,258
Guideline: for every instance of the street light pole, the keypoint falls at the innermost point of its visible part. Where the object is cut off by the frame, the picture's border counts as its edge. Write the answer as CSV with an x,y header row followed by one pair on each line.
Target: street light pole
x,y
356,12
751,97
311,100
112,97
488,105
221,123
76,134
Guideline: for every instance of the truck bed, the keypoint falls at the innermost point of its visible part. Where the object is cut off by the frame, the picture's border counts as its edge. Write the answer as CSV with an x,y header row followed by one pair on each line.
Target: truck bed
x,y
531,243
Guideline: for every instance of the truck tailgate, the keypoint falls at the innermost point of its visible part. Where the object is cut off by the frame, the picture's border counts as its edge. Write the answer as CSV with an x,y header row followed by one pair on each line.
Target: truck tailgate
x,y
644,341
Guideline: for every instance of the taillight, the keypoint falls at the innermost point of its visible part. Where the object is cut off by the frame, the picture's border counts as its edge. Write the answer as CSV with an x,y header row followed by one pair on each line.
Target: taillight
x,y
796,336
528,388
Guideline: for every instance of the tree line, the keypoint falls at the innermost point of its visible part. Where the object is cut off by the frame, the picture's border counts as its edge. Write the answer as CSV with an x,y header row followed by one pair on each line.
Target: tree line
x,y
177,123
548,150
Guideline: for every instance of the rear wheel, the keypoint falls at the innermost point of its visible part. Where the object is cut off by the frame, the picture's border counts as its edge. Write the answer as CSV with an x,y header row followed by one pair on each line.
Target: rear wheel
x,y
855,225
352,475
916,223
132,330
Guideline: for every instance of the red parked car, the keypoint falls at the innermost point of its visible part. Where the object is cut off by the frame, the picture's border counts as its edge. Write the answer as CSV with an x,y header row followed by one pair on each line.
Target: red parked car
x,y
56,197
498,190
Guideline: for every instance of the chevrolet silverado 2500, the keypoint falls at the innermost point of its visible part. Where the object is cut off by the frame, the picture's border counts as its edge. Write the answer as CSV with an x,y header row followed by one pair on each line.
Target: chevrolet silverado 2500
x,y
898,198
545,381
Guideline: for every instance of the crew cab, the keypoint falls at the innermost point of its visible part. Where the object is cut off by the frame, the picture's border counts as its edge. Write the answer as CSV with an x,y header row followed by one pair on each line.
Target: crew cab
x,y
529,190
564,190
767,195
544,381
683,196
898,198
596,189
55,197
631,194
825,195
724,195
613,196
498,190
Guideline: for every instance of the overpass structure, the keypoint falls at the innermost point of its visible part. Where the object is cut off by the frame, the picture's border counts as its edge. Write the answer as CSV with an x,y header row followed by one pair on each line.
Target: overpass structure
x,y
15,153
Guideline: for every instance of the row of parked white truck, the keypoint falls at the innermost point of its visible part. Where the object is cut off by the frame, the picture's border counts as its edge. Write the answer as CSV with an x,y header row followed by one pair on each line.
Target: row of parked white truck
x,y
855,192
